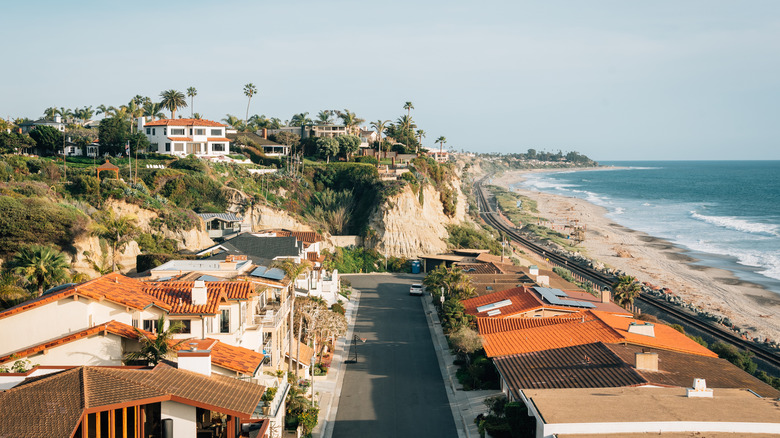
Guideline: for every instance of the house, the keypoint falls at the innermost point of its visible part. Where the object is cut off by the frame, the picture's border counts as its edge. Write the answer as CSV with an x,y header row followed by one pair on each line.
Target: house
x,y
259,139
221,225
163,401
200,137
642,411
57,124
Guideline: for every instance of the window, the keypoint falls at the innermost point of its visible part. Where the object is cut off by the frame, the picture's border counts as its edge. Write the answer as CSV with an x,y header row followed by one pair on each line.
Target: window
x,y
178,147
224,321
177,131
167,147
186,325
150,325
148,131
200,132
216,132
218,147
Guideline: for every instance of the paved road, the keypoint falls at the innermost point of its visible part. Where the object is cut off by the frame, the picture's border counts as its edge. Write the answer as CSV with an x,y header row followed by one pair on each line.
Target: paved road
x,y
396,388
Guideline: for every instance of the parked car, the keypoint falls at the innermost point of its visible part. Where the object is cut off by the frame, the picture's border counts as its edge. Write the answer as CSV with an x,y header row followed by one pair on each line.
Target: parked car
x,y
416,289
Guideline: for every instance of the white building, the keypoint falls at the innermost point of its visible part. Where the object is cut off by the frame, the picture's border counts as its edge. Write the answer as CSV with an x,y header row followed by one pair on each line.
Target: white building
x,y
183,137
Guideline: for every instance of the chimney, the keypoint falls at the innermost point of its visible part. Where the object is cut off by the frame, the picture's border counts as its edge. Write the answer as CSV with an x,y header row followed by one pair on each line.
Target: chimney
x,y
199,296
606,296
646,329
646,361
699,389
195,360
265,133
533,270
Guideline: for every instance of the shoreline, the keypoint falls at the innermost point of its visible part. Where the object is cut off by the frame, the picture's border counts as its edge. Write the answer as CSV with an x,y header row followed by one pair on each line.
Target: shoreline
x,y
659,262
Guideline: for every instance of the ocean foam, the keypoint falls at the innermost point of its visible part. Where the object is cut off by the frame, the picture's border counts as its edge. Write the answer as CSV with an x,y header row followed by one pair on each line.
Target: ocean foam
x,y
738,224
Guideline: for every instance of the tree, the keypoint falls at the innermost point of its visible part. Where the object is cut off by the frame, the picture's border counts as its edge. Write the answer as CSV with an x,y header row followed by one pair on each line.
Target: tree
x,y
441,140
348,145
379,125
292,271
158,346
47,139
466,341
325,117
625,290
113,133
117,230
409,107
249,91
191,93
172,100
40,267
327,147
350,119
300,119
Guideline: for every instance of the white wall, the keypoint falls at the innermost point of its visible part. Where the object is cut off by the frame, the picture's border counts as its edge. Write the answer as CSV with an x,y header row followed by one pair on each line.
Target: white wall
x,y
183,416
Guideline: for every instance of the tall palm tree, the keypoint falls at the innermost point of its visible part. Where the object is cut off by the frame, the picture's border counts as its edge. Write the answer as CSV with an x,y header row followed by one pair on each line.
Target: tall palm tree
x,y
292,271
172,100
249,91
441,140
117,230
380,125
350,120
40,266
325,117
158,346
420,136
408,107
625,290
191,93
153,110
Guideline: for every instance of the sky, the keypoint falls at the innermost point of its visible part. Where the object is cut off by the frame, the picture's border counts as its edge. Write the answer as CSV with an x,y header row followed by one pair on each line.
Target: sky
x,y
614,80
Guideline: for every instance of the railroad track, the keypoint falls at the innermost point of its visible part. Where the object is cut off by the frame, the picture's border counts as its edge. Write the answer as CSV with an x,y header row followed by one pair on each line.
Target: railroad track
x,y
601,281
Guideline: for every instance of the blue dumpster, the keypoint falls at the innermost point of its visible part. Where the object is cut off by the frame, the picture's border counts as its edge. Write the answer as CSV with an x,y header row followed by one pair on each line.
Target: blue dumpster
x,y
415,266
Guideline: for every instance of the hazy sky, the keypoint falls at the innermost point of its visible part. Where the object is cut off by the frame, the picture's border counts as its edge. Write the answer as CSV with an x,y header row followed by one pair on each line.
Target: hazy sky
x,y
611,79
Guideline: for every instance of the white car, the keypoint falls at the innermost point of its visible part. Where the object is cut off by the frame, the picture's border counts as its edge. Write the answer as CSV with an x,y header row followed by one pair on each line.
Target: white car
x,y
416,289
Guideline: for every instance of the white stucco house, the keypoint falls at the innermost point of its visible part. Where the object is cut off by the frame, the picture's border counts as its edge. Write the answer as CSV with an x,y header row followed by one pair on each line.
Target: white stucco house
x,y
200,137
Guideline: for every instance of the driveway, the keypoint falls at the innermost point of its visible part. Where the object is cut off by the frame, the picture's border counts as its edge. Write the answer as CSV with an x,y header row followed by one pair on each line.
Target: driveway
x,y
395,389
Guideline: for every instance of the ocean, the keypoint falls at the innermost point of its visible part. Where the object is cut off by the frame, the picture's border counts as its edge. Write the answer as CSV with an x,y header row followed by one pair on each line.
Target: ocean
x,y
726,214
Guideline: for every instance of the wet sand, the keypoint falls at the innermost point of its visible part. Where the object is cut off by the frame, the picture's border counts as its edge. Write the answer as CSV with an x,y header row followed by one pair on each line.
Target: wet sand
x,y
661,263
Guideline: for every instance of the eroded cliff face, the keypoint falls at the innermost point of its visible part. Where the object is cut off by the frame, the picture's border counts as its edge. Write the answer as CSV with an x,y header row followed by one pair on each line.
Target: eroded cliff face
x,y
405,228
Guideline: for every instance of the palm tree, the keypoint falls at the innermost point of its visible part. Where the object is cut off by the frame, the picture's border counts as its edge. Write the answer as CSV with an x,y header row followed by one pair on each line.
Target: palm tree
x,y
235,122
441,140
625,290
191,93
408,107
301,119
158,346
118,230
40,266
292,271
380,125
249,91
350,119
325,117
153,110
172,100
420,136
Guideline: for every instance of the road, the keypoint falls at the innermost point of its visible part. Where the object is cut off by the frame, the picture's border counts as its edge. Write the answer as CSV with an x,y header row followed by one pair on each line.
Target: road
x,y
395,389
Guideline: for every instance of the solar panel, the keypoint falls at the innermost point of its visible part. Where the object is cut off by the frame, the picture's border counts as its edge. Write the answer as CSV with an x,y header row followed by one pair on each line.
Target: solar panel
x,y
553,296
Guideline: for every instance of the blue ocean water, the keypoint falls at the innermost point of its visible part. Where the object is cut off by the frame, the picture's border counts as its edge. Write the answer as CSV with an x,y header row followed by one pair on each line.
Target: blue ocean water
x,y
725,213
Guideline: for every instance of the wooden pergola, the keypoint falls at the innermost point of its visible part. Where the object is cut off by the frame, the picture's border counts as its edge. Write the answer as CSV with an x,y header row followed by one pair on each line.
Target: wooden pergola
x,y
108,166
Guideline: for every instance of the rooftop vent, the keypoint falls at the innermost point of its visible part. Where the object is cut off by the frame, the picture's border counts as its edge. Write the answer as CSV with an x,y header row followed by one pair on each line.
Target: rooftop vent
x,y
199,297
699,389
646,329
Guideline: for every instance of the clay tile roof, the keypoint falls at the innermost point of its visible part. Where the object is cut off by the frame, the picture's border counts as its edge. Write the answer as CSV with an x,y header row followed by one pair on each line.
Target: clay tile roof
x,y
180,138
547,337
665,337
178,296
184,122
521,301
114,287
234,358
497,325
578,366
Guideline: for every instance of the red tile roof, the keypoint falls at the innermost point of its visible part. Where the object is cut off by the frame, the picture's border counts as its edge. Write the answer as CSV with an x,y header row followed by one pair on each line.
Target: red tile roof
x,y
184,122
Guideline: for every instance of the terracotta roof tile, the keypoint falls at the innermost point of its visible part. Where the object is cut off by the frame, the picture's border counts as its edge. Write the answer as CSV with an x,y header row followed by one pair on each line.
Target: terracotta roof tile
x,y
184,122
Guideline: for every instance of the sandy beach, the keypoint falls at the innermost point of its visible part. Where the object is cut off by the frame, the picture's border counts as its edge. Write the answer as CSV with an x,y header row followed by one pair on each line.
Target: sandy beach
x,y
661,263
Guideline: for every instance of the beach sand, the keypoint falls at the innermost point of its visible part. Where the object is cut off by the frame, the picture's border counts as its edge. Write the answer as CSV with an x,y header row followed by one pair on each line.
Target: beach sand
x,y
661,263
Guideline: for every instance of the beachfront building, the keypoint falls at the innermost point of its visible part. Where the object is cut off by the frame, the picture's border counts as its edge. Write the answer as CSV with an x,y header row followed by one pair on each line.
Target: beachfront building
x,y
181,137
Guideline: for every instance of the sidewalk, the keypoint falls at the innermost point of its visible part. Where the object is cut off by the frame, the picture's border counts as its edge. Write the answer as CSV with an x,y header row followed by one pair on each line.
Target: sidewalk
x,y
327,389
465,405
